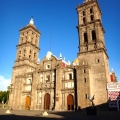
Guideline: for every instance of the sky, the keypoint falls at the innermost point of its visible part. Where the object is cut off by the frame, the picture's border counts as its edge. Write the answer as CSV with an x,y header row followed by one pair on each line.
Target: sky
x,y
57,21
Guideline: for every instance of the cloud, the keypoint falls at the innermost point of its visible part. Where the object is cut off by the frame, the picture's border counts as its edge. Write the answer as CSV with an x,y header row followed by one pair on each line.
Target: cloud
x,y
4,83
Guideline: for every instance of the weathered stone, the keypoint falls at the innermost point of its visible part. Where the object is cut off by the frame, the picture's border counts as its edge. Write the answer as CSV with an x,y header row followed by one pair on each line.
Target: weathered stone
x,y
54,84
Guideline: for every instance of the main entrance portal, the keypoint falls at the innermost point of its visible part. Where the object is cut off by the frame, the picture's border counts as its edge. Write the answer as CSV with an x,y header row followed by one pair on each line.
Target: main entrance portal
x,y
47,101
70,102
27,103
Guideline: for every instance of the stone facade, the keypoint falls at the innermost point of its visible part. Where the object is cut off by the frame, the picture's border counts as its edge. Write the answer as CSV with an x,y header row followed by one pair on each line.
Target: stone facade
x,y
55,84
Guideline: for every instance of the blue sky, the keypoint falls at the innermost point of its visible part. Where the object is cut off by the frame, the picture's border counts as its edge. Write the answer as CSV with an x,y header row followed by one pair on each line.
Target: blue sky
x,y
56,20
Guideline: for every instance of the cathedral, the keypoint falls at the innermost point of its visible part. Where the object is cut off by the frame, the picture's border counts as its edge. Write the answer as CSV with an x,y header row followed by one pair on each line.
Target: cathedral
x,y
53,83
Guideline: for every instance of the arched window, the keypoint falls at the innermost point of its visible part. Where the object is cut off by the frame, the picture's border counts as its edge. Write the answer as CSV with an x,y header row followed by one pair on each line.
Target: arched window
x,y
70,76
84,71
91,11
83,13
91,17
93,35
34,55
85,37
83,20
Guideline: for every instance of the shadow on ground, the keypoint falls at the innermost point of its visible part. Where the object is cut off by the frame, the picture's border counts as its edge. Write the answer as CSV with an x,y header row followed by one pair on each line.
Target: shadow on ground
x,y
79,115
102,113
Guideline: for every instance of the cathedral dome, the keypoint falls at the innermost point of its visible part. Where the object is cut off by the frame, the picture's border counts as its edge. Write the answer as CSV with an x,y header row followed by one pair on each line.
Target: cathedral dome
x,y
75,61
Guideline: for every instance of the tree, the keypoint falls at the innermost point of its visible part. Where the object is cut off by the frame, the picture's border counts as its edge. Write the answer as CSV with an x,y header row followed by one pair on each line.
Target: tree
x,y
3,96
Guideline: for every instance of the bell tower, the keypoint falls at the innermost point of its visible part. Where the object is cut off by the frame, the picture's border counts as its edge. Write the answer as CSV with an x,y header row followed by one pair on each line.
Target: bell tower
x,y
92,55
28,47
90,29
25,64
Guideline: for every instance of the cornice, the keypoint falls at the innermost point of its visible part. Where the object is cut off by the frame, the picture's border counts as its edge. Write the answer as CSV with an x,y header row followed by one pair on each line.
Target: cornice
x,y
96,50
91,22
17,66
30,26
27,43
87,3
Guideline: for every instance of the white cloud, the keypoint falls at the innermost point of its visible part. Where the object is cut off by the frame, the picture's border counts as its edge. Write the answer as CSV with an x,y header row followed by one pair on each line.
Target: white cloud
x,y
4,83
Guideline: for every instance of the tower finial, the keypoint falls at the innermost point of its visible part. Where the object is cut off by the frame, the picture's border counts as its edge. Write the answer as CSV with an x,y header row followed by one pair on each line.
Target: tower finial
x,y
31,21
60,56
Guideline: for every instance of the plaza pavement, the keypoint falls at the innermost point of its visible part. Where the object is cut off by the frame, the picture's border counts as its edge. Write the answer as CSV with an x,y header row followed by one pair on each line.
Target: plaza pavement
x,y
79,115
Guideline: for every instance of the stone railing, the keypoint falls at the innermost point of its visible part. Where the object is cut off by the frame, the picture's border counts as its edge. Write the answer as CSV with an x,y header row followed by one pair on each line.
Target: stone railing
x,y
115,85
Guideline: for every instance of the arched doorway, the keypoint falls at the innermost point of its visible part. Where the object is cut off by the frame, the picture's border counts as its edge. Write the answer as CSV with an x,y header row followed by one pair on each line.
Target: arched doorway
x,y
27,103
70,102
47,101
